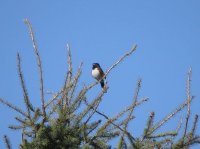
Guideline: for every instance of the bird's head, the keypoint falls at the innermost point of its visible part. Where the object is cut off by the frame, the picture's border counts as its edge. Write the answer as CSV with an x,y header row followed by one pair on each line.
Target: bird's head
x,y
95,65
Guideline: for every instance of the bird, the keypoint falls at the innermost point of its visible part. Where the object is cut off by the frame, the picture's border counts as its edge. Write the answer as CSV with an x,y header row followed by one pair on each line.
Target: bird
x,y
98,74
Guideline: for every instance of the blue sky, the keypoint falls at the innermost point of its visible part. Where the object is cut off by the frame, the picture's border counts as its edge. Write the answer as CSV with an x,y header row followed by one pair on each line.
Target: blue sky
x,y
167,34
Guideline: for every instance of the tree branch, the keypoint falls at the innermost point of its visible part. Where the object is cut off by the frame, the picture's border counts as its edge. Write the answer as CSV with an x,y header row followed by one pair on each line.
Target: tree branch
x,y
188,102
7,142
13,107
35,47
26,98
168,117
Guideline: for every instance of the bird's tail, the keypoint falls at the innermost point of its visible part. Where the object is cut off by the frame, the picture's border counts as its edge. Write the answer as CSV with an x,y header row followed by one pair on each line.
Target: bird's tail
x,y
103,86
102,83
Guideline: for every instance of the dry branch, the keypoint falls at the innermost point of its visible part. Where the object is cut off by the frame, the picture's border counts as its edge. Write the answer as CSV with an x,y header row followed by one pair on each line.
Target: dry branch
x,y
26,98
54,98
13,107
188,101
168,117
35,47
135,98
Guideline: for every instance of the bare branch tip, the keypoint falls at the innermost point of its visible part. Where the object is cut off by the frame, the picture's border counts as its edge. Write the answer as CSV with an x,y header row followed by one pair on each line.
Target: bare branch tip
x,y
26,21
189,72
139,81
18,56
152,114
81,64
135,46
190,69
68,46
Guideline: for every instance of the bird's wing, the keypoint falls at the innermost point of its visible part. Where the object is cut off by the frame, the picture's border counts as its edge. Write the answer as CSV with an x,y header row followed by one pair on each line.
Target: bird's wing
x,y
101,72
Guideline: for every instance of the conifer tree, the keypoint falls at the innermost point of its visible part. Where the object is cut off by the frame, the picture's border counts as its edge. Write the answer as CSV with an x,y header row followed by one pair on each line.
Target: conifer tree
x,y
66,120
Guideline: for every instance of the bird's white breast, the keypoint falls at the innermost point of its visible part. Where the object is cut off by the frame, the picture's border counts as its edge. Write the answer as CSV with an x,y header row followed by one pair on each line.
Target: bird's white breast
x,y
96,73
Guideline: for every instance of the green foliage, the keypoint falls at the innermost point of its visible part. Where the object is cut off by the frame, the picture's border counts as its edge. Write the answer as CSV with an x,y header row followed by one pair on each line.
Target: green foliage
x,y
55,137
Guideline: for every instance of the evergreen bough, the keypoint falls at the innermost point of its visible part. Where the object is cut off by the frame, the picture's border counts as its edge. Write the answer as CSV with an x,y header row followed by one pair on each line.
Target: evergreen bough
x,y
66,121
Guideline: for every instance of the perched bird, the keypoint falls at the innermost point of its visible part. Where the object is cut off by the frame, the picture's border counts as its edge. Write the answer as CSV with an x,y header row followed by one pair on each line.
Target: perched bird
x,y
98,74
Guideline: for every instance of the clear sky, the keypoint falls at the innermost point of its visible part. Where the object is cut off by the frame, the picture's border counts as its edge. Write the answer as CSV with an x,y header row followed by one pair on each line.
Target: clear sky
x,y
168,38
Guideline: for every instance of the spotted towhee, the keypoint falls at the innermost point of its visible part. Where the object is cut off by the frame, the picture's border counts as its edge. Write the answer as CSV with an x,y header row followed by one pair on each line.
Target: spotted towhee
x,y
98,74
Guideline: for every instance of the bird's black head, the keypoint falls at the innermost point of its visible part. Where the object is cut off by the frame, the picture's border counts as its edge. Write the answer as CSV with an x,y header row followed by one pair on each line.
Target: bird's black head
x,y
95,65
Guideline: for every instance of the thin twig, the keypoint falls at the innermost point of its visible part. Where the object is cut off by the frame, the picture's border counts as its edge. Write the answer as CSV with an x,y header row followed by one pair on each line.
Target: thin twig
x,y
13,107
54,98
99,98
188,102
131,111
172,134
35,47
121,123
69,61
75,81
135,98
149,125
15,127
168,117
68,78
7,142
94,127
65,88
194,124
190,137
26,98
177,131
121,59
